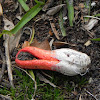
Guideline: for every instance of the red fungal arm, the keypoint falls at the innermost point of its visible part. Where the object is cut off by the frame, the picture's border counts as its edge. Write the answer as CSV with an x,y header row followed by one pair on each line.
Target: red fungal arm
x,y
36,64
39,53
45,61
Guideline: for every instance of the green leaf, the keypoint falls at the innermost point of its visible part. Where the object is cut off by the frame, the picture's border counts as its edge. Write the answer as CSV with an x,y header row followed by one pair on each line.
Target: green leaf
x,y
32,74
97,15
26,18
39,2
24,5
97,39
33,32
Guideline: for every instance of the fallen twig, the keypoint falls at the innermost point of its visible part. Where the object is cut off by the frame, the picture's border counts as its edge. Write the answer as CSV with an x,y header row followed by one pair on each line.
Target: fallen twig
x,y
91,95
92,17
8,60
1,10
5,97
54,30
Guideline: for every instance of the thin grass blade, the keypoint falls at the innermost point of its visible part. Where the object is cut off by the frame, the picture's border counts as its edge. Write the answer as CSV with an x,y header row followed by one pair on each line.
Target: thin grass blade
x,y
63,31
24,5
97,39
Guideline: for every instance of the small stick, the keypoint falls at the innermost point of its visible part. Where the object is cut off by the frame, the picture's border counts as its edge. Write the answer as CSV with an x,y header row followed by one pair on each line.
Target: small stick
x,y
91,95
5,97
3,65
92,17
8,61
1,10
54,30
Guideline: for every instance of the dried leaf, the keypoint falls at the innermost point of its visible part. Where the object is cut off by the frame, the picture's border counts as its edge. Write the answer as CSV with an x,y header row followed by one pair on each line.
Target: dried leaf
x,y
87,43
1,10
54,30
13,40
18,17
47,4
59,43
25,44
91,24
8,25
75,93
43,45
42,78
51,34
55,9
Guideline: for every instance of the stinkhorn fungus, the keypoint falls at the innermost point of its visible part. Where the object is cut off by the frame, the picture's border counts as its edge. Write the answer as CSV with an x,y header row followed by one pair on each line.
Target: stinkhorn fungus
x,y
66,61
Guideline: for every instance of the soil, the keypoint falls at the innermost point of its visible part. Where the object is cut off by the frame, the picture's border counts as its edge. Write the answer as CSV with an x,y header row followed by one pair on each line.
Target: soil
x,y
76,35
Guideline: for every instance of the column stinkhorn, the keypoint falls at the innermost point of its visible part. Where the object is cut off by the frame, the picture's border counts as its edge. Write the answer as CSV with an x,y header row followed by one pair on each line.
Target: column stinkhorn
x,y
66,61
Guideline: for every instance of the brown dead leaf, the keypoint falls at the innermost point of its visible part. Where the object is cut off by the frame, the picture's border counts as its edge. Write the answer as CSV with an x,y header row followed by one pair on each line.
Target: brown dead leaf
x,y
43,45
47,4
25,44
59,43
75,93
51,34
54,30
54,10
82,18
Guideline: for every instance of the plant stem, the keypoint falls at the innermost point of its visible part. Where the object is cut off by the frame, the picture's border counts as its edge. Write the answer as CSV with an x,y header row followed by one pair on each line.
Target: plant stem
x,y
70,11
